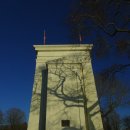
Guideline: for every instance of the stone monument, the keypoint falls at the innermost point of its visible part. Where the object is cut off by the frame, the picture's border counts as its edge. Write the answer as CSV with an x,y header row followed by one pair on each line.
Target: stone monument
x,y
64,94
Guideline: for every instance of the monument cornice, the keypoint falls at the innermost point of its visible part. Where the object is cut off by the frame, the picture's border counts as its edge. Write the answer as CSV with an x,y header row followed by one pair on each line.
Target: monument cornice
x,y
69,47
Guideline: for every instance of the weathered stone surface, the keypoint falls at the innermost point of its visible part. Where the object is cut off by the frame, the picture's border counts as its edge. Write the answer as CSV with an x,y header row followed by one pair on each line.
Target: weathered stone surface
x,y
63,77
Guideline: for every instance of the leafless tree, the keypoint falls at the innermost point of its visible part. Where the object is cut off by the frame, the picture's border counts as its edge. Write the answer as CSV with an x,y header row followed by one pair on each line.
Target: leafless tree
x,y
112,94
107,23
1,117
126,123
15,117
112,122
1,120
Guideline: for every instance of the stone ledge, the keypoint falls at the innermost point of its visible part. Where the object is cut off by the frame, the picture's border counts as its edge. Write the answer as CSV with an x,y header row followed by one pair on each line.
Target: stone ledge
x,y
70,47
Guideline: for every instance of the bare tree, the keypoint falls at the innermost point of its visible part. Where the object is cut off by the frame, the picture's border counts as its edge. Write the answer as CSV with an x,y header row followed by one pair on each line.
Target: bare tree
x,y
104,21
112,94
15,117
1,120
112,122
126,123
1,117
107,24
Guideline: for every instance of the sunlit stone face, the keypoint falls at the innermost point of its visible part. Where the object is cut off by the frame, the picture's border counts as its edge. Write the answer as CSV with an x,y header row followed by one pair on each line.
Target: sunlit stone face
x,y
64,90
64,96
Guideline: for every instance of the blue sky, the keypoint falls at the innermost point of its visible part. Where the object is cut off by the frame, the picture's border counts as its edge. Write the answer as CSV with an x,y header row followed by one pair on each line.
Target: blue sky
x,y
22,23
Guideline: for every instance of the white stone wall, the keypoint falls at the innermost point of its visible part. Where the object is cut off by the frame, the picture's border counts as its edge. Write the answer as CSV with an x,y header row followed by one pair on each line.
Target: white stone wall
x,y
69,70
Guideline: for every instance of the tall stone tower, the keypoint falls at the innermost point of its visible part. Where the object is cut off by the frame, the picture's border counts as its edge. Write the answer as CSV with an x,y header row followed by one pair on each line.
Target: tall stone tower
x,y
64,94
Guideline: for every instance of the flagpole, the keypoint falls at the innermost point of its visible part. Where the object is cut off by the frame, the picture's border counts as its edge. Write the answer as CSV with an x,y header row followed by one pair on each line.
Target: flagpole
x,y
80,38
44,38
